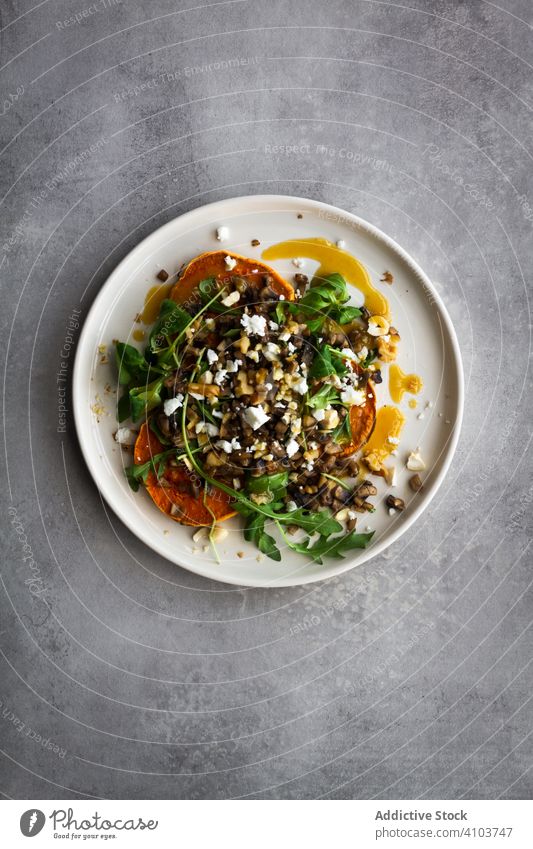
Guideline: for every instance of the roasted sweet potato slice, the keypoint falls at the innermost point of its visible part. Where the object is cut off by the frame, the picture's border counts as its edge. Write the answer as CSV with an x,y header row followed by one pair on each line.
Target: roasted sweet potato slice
x,y
362,421
173,493
213,264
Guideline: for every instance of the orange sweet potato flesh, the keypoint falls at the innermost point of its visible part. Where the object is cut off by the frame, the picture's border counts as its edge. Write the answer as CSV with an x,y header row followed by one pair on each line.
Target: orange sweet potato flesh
x,y
362,421
213,264
172,494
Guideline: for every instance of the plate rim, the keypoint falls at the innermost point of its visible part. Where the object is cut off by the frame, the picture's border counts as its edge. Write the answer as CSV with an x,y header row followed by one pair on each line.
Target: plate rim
x,y
93,462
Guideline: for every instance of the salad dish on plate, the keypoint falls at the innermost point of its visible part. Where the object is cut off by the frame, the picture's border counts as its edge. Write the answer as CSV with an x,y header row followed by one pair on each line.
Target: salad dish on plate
x,y
255,396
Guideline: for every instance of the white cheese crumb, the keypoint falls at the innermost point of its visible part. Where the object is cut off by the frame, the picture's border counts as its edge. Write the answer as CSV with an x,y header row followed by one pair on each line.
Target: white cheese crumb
x,y
300,386
256,417
363,354
125,436
212,356
421,416
254,325
291,348
348,354
291,447
354,396
319,415
392,511
172,404
285,336
282,297
230,265
222,233
341,244
415,462
273,325
299,263
271,352
220,376
206,427
291,506
233,297
227,446
253,355
394,440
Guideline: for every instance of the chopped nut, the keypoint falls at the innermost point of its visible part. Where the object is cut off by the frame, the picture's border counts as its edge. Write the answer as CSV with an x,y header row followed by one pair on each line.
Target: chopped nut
x,y
255,243
387,277
415,483
163,275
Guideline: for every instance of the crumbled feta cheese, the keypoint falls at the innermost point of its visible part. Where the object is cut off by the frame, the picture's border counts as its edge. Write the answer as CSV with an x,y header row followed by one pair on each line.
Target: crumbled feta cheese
x,y
300,386
392,511
363,354
341,244
273,325
253,355
298,262
232,367
282,297
310,466
206,427
254,325
217,414
233,297
125,436
291,348
291,506
349,354
284,336
421,416
172,404
212,356
415,462
222,233
291,447
230,264
220,376
210,323
394,440
319,415
354,396
255,417
227,446
271,351
268,386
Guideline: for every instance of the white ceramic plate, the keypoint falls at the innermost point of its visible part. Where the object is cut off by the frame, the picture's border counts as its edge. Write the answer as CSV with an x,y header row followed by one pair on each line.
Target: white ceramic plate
x,y
428,347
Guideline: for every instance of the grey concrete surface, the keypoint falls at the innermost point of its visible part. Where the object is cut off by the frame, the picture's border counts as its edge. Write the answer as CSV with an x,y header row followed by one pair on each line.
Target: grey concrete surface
x,y
407,678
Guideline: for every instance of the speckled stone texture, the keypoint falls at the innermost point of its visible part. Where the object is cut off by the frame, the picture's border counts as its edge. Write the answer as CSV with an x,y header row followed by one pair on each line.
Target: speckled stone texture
x,y
122,676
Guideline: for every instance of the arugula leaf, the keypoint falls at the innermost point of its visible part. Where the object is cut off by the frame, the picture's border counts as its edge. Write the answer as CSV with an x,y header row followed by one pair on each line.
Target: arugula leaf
x,y
268,483
138,474
323,364
131,364
320,522
279,311
327,394
344,315
343,431
145,398
336,547
255,532
172,319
